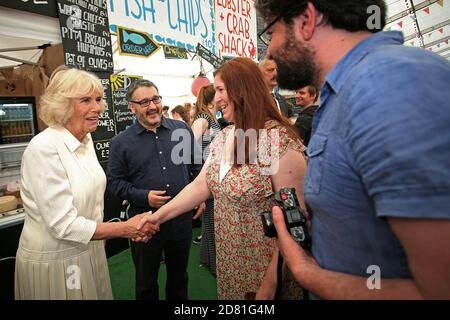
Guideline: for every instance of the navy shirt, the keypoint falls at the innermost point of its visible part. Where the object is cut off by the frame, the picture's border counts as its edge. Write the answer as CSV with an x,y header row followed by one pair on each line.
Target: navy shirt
x,y
380,148
141,160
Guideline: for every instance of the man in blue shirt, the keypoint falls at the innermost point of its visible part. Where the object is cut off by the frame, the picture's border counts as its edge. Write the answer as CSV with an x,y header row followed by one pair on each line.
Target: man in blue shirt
x,y
378,177
148,165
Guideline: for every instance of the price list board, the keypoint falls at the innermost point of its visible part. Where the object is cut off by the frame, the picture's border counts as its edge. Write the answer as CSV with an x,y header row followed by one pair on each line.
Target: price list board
x,y
85,34
106,127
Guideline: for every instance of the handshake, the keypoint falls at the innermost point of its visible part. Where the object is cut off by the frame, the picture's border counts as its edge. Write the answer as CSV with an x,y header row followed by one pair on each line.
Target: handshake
x,y
140,228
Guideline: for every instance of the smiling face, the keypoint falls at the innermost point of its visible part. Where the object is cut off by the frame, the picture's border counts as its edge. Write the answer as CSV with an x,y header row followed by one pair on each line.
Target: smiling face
x,y
148,116
303,97
222,101
86,112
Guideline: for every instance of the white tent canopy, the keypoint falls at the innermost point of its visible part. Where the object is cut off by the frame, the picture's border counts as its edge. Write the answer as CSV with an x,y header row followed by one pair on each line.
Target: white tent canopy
x,y
173,77
20,29
424,23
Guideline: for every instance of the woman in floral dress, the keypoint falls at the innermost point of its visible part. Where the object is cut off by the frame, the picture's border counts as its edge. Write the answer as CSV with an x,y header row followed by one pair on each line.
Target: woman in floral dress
x,y
249,161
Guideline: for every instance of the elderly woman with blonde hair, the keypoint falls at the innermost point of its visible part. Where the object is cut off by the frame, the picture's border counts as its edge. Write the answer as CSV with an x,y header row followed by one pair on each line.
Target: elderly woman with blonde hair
x,y
59,255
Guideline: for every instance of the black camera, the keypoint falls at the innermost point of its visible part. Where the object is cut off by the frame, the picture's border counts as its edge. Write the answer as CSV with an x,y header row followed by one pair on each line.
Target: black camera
x,y
294,217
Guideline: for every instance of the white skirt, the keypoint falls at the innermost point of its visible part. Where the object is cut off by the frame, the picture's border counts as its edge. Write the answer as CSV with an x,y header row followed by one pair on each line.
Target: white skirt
x,y
77,273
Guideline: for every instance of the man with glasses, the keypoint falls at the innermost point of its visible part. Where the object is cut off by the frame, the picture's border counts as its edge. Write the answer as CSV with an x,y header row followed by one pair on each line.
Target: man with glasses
x,y
147,168
378,177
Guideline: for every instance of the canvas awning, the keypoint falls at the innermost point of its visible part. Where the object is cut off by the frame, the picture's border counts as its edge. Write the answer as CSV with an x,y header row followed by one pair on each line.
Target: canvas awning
x,y
424,23
19,30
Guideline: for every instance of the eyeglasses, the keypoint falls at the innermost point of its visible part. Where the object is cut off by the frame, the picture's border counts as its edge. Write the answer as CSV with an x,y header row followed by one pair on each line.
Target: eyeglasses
x,y
266,36
146,102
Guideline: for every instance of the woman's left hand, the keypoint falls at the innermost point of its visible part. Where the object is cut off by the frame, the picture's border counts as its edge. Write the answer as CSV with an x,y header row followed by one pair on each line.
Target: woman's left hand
x,y
201,208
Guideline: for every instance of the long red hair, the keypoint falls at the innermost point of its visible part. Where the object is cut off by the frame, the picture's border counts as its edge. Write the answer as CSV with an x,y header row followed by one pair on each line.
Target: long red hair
x,y
249,94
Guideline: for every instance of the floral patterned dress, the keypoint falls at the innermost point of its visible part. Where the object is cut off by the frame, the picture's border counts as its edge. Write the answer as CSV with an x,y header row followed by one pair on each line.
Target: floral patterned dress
x,y
243,251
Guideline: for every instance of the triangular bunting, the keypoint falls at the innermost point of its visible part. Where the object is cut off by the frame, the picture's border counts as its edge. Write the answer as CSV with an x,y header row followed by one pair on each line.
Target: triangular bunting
x,y
446,41
412,43
429,35
438,45
441,3
441,30
427,10
400,24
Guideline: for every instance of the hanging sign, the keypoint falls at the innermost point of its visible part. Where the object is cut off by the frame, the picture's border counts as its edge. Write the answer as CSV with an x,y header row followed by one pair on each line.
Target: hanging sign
x,y
180,23
208,56
85,34
171,52
135,43
236,28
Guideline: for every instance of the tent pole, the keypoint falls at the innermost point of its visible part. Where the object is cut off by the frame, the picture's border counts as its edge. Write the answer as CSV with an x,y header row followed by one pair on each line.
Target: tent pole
x,y
18,60
25,48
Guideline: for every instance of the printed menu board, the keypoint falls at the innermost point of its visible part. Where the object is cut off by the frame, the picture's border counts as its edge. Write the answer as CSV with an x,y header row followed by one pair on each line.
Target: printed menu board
x,y
85,34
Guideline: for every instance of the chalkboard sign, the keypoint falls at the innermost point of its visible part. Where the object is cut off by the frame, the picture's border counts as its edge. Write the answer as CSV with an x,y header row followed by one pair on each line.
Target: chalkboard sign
x,y
123,116
106,128
85,33
171,52
135,43
204,53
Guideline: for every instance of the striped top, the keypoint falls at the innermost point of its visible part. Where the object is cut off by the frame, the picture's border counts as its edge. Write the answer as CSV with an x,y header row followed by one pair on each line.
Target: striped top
x,y
209,134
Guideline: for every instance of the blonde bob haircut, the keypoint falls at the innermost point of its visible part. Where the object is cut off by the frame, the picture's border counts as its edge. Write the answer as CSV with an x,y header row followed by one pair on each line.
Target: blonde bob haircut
x,y
66,85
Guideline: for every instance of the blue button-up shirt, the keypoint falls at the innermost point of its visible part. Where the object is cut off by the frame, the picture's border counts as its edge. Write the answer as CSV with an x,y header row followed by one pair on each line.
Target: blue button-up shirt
x,y
141,160
380,148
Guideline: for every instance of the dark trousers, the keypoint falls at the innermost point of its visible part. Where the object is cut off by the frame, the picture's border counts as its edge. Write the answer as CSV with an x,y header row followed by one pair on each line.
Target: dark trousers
x,y
147,260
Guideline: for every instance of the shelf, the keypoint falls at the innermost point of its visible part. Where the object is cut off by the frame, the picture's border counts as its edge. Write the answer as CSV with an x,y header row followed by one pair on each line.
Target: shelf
x,y
12,218
10,165
15,120
13,145
18,135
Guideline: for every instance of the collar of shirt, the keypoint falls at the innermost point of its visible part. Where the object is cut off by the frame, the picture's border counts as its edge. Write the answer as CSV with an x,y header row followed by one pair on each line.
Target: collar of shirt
x,y
274,96
338,75
69,139
139,128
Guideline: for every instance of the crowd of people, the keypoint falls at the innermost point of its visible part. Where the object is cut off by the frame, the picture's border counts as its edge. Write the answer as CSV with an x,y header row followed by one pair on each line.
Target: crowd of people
x,y
369,162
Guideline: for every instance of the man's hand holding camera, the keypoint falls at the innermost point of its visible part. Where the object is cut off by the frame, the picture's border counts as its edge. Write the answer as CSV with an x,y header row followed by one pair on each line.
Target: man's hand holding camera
x,y
297,259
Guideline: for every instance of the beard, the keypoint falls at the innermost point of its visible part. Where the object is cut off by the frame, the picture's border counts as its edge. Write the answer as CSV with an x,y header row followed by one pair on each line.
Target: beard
x,y
150,123
296,64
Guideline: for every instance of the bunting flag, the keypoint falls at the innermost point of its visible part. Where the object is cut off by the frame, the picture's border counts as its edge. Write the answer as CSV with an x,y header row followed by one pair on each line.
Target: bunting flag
x,y
400,24
441,3
427,10
412,43
446,41
441,30
438,45
429,35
